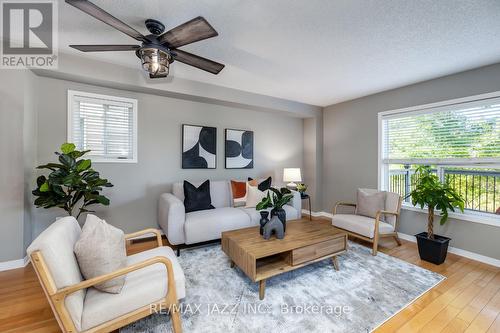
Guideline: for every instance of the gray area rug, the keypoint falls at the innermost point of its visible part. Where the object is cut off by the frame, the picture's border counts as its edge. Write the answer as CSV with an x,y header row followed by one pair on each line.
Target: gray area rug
x,y
361,296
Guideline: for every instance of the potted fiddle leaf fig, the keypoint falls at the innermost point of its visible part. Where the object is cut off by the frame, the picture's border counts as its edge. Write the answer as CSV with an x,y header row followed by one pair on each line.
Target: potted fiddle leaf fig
x,y
278,199
430,192
72,184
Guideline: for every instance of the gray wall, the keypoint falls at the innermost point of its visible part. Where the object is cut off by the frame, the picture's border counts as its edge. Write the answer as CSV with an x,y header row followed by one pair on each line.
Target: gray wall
x,y
29,150
350,150
337,153
278,143
313,160
17,120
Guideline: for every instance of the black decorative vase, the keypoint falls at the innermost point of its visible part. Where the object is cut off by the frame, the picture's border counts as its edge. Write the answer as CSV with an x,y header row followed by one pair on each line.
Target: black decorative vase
x,y
264,218
432,250
281,214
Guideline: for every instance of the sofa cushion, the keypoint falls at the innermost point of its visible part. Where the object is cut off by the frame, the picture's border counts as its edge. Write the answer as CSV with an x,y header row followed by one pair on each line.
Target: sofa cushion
x,y
368,204
206,225
220,192
56,245
142,287
361,225
239,193
101,250
253,214
240,202
254,196
239,189
197,198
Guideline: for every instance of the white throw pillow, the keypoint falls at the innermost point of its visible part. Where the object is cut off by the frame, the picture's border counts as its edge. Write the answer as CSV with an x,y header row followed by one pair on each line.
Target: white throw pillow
x,y
101,250
254,196
368,204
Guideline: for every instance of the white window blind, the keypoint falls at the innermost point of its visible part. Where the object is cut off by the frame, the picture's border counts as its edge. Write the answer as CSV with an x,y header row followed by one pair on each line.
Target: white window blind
x,y
467,133
106,125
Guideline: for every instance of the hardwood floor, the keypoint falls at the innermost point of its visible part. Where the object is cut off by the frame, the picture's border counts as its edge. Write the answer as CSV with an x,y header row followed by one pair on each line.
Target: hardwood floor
x,y
467,301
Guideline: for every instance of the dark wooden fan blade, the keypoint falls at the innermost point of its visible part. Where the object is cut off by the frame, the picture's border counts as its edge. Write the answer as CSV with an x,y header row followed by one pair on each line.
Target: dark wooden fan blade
x,y
197,61
101,48
192,31
100,14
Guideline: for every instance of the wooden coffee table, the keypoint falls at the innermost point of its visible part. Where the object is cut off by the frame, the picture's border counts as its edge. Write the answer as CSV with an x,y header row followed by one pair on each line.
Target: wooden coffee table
x,y
305,242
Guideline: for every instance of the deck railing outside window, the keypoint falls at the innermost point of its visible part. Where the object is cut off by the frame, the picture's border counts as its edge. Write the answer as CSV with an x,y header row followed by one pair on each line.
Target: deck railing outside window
x,y
479,188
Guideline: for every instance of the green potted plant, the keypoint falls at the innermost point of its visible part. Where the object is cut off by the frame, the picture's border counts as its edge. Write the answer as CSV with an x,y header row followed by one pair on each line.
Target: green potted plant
x,y
278,199
302,188
72,184
430,192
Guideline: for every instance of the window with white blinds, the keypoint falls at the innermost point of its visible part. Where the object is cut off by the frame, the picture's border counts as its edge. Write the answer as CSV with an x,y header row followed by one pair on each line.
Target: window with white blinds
x,y
105,125
459,140
466,133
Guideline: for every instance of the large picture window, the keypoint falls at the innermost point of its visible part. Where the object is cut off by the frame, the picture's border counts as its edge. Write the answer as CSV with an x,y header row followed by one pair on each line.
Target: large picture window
x,y
106,125
460,141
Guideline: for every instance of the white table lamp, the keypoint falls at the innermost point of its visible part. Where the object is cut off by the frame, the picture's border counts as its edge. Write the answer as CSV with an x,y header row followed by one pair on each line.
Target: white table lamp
x,y
292,175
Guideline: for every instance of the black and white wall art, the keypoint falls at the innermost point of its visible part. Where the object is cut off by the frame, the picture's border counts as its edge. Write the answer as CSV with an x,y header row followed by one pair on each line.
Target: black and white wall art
x,y
239,149
199,147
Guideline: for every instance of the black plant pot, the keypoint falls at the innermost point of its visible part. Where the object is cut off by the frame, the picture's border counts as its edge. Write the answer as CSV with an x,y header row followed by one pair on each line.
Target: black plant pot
x,y
281,214
432,250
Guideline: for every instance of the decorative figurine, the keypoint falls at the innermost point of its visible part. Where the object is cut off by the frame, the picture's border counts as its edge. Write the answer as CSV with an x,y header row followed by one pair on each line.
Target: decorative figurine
x,y
274,227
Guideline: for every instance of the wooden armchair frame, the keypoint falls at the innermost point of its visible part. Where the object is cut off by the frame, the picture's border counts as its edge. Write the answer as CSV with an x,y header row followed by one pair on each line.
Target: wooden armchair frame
x,y
56,297
376,235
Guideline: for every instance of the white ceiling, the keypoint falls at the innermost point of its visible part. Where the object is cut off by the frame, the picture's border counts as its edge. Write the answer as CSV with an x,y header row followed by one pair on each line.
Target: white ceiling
x,y
312,51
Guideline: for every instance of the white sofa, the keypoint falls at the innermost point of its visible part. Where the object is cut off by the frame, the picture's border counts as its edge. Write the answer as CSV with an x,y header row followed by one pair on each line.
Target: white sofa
x,y
206,225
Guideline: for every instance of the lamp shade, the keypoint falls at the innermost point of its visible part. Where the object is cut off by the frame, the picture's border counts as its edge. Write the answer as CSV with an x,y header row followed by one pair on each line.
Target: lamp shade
x,y
292,175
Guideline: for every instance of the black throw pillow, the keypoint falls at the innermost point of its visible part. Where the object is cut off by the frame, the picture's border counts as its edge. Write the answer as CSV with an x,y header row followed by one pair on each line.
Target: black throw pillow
x,y
264,185
197,198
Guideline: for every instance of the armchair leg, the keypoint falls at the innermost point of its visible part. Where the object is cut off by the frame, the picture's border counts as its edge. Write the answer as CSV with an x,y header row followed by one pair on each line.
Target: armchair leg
x,y
375,245
178,251
176,319
396,238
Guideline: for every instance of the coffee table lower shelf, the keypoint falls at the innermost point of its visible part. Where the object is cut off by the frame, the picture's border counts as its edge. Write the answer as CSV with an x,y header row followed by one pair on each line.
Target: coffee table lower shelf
x,y
273,267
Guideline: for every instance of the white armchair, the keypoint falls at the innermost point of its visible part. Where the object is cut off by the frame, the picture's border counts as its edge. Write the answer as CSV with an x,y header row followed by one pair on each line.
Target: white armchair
x,y
370,229
155,280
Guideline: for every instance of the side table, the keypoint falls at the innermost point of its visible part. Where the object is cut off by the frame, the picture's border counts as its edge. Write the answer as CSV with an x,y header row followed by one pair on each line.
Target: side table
x,y
305,196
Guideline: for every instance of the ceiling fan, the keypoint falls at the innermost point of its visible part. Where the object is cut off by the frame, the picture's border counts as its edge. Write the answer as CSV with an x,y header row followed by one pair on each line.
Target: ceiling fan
x,y
159,49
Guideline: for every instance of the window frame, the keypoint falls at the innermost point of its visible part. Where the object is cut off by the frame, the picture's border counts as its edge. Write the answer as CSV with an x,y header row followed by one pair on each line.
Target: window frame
x,y
383,167
99,159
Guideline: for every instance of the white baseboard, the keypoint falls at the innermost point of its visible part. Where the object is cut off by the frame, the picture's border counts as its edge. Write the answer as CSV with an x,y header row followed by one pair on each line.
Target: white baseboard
x,y
317,214
460,252
451,249
13,264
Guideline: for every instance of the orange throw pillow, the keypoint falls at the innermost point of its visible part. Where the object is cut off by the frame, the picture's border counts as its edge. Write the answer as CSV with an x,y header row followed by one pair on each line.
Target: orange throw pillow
x,y
239,189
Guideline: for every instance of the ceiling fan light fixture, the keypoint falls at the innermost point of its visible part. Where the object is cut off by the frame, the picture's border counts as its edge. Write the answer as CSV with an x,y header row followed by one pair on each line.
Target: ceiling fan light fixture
x,y
159,49
155,61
